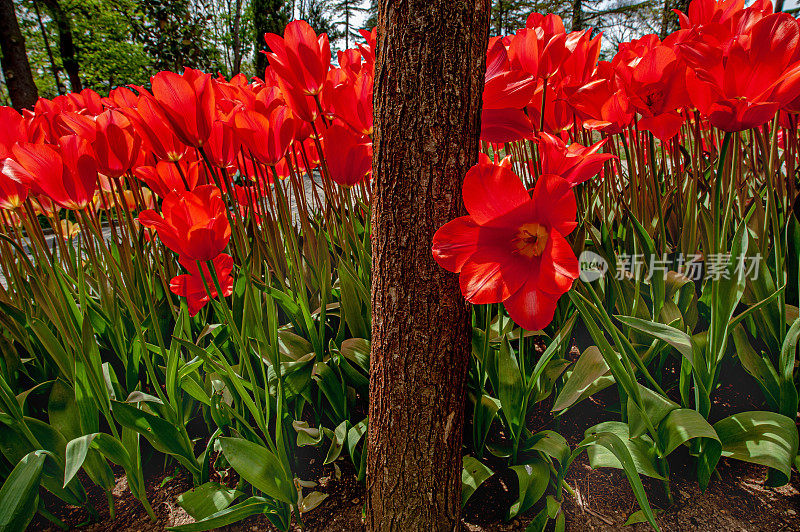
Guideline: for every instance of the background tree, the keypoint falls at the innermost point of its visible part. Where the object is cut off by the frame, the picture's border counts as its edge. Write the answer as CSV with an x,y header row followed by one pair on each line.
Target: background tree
x,y
669,21
428,91
174,34
347,12
46,40
269,16
66,44
16,69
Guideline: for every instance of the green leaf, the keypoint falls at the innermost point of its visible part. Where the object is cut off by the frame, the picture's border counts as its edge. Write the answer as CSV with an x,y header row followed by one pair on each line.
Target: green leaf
x,y
511,390
684,424
161,434
674,337
54,347
233,514
338,437
19,495
589,367
617,447
81,449
533,479
207,499
331,386
759,367
638,517
259,467
473,474
656,407
311,501
726,294
356,350
641,450
483,414
759,437
786,365
549,442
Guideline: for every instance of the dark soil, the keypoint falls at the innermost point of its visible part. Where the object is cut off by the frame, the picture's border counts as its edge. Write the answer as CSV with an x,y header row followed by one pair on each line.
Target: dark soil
x,y
735,500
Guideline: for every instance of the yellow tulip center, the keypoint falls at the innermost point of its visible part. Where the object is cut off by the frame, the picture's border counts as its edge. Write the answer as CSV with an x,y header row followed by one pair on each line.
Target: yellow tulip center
x,y
530,240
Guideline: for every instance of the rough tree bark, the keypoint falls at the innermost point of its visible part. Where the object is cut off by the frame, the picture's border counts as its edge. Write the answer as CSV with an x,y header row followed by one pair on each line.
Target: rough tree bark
x,y
428,86
16,68
577,15
669,20
53,68
237,40
269,16
66,44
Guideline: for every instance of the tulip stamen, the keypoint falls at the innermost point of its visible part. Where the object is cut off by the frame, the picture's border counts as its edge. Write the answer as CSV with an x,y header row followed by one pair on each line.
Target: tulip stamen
x,y
531,240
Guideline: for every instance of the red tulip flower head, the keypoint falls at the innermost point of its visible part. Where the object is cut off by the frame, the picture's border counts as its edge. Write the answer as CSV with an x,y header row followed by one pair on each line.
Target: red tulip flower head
x,y
348,154
575,163
164,177
511,247
744,86
12,193
188,103
300,58
66,173
267,137
13,129
194,223
158,136
193,285
116,144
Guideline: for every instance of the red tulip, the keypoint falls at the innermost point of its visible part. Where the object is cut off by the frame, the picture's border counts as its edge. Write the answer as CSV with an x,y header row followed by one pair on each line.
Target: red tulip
x,y
166,177
66,173
194,223
300,58
368,48
575,163
116,144
511,247
505,87
656,87
347,154
193,285
505,125
267,137
222,145
188,103
350,62
603,105
72,123
744,87
151,123
352,102
12,192
13,129
121,97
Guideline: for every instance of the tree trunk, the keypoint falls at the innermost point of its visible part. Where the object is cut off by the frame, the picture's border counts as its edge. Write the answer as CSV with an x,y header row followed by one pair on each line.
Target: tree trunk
x,y
237,39
53,68
16,69
669,20
66,45
428,87
269,16
577,15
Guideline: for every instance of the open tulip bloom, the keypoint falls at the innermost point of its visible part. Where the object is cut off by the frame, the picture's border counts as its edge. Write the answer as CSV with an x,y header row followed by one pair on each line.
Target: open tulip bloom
x,y
511,248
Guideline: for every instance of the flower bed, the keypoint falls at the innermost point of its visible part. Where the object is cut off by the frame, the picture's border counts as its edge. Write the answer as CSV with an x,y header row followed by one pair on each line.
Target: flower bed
x,y
631,234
